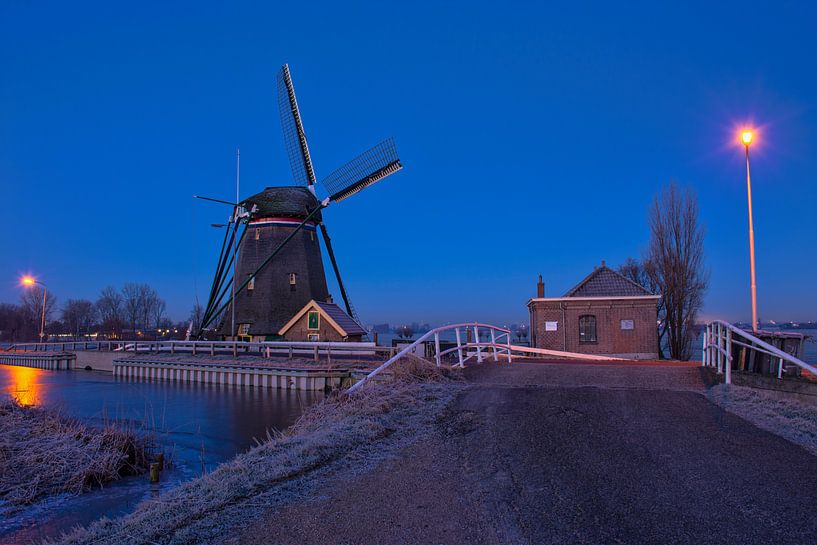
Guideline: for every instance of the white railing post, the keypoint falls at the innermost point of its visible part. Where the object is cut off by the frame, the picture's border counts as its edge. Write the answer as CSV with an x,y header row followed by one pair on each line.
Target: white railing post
x,y
780,368
476,338
728,379
459,347
493,343
437,347
719,354
508,340
703,348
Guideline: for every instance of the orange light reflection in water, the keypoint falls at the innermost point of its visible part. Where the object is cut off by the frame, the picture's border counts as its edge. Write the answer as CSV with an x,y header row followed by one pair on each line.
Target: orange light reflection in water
x,y
25,386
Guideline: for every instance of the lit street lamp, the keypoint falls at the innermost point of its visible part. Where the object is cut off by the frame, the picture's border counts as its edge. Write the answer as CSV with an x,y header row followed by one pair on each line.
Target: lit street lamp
x,y
746,137
29,281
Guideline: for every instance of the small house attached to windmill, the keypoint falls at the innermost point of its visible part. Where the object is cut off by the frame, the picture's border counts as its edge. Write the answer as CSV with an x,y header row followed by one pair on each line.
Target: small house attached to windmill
x,y
272,245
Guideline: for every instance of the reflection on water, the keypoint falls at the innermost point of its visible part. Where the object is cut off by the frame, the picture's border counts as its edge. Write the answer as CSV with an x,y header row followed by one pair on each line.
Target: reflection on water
x,y
24,386
197,425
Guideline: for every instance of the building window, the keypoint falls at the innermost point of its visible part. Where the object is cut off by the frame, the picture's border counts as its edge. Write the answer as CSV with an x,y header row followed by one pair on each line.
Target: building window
x,y
292,281
243,330
313,320
257,233
313,337
587,329
251,284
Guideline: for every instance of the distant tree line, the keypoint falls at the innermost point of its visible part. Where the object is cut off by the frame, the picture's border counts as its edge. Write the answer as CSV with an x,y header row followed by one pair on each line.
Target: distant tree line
x,y
134,311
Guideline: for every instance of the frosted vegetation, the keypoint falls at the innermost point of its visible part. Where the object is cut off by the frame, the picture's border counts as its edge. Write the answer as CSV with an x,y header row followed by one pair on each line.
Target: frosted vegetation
x,y
43,453
786,416
352,430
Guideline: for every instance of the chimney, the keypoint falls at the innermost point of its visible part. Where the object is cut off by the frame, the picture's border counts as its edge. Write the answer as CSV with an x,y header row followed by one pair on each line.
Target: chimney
x,y
329,298
540,288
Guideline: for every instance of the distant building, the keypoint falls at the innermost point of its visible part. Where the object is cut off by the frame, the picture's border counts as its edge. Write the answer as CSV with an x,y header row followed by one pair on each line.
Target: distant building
x,y
605,314
319,321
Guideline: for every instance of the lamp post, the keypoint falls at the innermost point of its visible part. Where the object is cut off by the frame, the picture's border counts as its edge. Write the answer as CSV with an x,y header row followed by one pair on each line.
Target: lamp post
x,y
29,281
746,137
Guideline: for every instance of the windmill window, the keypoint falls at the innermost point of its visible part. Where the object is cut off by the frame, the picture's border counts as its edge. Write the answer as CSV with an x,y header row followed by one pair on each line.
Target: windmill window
x,y
587,329
313,320
251,284
257,233
292,281
243,329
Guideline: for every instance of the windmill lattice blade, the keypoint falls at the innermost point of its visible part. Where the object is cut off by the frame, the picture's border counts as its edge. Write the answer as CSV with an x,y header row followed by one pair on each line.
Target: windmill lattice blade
x,y
368,168
294,136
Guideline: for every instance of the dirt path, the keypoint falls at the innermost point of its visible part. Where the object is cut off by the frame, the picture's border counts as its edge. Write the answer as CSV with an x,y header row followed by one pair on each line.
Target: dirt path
x,y
571,454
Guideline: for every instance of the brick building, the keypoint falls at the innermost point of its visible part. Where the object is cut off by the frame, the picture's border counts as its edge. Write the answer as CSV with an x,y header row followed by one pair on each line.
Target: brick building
x,y
604,314
319,321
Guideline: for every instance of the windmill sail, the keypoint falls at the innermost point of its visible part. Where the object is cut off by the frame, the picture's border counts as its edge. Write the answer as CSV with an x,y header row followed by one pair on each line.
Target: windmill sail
x,y
294,135
368,168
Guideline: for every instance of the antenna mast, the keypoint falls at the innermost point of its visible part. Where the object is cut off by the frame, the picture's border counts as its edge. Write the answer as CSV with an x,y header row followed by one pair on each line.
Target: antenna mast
x,y
235,247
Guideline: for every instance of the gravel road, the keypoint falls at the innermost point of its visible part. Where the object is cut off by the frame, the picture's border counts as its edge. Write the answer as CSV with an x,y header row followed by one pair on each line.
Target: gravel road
x,y
561,453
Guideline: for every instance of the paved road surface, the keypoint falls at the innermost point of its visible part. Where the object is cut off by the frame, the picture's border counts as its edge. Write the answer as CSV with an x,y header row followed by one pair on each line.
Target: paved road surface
x,y
574,454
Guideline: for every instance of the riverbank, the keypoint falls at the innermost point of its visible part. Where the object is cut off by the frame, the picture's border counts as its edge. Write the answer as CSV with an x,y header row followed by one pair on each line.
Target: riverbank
x,y
343,434
43,453
527,453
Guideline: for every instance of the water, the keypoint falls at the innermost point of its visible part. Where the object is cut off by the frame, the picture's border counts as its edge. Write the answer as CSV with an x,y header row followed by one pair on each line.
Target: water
x,y
197,425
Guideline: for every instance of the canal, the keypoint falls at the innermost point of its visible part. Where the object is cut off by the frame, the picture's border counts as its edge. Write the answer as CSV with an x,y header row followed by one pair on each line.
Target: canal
x,y
197,425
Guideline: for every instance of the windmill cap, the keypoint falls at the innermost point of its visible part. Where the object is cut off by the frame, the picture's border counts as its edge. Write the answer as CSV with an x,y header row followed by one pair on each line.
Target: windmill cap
x,y
292,201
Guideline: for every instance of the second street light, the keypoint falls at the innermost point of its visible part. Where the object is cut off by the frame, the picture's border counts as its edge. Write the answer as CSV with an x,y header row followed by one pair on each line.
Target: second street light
x,y
29,281
747,136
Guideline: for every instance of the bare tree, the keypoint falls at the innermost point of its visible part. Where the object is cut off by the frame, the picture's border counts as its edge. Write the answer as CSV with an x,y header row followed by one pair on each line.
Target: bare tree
x,y
132,305
110,311
196,316
675,265
14,325
31,302
78,316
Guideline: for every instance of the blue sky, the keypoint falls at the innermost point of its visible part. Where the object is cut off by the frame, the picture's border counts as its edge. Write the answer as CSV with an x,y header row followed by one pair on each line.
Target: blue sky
x,y
534,137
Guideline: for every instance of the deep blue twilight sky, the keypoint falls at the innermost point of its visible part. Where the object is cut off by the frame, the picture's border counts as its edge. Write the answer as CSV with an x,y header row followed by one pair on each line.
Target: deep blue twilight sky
x,y
533,136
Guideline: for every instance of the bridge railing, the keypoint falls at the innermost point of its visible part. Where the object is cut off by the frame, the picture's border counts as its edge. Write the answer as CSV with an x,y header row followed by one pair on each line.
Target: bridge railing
x,y
720,337
234,348
500,342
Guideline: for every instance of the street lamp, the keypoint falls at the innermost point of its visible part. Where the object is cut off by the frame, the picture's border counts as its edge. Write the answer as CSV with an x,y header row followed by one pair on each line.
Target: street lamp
x,y
29,281
746,137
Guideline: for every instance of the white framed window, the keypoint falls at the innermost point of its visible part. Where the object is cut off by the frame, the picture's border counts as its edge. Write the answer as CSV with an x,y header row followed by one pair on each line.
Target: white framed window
x,y
243,329
257,233
313,337
251,284
551,326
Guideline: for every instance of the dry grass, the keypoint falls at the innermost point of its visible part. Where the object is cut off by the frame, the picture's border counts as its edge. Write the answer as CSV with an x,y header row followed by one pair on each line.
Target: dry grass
x,y
341,427
43,453
786,417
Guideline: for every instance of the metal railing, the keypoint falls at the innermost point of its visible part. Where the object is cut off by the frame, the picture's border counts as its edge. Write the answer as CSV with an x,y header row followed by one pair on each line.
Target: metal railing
x,y
719,337
212,348
492,348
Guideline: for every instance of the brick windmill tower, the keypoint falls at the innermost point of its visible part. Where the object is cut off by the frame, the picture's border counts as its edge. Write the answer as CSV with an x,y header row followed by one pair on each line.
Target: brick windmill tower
x,y
271,241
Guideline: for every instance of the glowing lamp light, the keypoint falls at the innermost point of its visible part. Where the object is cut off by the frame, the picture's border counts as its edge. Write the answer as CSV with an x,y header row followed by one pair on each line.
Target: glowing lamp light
x,y
746,137
28,281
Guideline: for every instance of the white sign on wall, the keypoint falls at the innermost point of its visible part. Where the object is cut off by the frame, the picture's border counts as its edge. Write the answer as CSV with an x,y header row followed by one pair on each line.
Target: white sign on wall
x,y
551,326
627,324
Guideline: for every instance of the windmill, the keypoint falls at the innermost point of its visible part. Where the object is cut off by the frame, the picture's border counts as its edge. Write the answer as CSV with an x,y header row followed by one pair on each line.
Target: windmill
x,y
271,238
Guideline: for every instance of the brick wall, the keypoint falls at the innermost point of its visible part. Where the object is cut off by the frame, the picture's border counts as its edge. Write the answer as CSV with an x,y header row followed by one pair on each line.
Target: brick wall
x,y
639,342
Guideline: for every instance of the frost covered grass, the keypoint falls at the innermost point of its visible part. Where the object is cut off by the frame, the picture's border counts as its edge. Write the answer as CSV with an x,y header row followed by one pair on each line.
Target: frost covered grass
x,y
43,453
342,427
788,418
